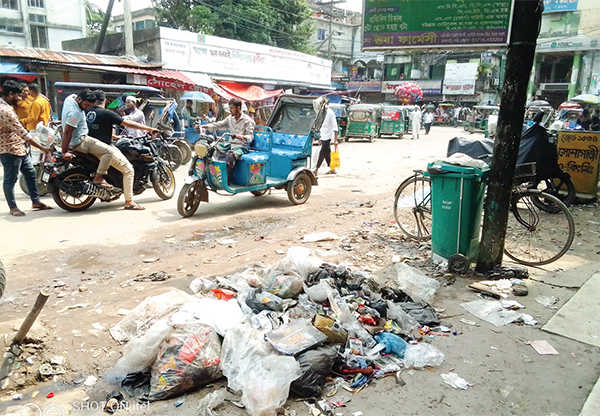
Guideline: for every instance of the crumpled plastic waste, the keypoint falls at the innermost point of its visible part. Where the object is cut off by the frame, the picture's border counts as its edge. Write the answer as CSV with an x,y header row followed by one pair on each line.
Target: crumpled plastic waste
x,y
452,379
415,283
247,359
491,311
422,355
295,337
393,343
211,401
315,365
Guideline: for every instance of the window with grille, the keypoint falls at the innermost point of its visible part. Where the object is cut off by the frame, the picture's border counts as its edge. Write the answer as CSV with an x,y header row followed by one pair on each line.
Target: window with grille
x,y
321,34
36,3
9,4
11,29
39,37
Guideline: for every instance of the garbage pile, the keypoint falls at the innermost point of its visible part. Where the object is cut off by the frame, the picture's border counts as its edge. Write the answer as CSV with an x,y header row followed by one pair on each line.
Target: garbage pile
x,y
301,325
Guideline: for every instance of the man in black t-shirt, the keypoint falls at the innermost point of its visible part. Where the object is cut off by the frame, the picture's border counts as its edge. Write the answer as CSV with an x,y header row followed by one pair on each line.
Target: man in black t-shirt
x,y
100,121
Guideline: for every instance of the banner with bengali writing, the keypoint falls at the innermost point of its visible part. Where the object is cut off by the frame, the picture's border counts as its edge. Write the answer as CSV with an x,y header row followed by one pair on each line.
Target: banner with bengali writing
x,y
419,24
578,155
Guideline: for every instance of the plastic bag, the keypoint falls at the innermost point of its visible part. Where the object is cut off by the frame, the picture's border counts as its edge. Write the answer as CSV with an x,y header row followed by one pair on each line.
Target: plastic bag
x,y
393,343
318,293
491,311
455,381
143,316
335,159
247,359
140,353
200,284
404,320
259,301
422,355
42,135
295,337
421,312
315,365
218,314
211,401
416,284
187,359
285,279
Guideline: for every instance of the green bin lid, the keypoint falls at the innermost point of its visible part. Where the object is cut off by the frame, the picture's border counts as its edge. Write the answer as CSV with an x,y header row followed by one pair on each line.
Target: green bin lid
x,y
448,168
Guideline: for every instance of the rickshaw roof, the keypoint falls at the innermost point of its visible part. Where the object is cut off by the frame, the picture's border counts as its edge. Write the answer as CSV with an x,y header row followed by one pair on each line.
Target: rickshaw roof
x,y
364,107
294,114
391,107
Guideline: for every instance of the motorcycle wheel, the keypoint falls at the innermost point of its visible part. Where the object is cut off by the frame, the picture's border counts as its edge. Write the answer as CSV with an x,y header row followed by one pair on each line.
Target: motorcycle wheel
x,y
299,189
43,188
164,182
68,202
189,199
2,279
172,155
186,151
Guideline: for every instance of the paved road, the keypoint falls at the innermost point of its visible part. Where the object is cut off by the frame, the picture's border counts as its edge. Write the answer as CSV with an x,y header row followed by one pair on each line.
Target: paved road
x,y
374,168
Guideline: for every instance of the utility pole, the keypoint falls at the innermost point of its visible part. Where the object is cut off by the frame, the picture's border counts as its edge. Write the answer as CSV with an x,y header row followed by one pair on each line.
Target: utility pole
x,y
521,51
105,22
128,28
330,29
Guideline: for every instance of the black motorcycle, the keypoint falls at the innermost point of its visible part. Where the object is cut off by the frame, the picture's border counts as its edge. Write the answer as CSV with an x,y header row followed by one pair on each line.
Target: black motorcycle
x,y
71,181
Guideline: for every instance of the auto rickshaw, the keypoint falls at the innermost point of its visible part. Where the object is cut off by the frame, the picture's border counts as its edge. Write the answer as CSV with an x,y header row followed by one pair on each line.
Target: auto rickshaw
x,y
341,115
478,119
547,119
364,121
442,113
393,120
566,119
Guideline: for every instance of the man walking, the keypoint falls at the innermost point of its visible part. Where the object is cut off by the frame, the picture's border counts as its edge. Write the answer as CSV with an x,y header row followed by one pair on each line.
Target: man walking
x,y
14,154
415,118
329,131
39,110
428,120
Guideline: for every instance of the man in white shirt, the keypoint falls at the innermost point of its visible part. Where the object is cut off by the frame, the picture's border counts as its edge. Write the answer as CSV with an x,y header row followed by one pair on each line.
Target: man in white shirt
x,y
329,131
415,121
427,120
135,114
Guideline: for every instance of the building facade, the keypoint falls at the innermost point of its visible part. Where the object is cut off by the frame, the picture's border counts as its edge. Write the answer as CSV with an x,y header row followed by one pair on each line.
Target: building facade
x,y
41,23
141,19
567,60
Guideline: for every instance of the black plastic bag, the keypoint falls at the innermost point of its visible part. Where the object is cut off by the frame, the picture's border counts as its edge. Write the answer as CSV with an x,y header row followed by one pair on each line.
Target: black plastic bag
x,y
315,365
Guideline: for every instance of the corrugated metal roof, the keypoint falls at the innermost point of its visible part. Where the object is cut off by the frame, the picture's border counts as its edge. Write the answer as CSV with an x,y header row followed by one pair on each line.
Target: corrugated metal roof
x,y
45,55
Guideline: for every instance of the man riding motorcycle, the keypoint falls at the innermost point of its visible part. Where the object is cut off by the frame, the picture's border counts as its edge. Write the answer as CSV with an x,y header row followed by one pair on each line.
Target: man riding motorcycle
x,y
75,137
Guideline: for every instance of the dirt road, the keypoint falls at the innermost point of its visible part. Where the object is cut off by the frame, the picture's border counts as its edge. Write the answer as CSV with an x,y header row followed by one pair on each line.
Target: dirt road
x,y
89,259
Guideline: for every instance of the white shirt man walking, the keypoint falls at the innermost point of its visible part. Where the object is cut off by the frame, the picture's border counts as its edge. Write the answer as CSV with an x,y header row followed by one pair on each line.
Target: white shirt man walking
x,y
415,119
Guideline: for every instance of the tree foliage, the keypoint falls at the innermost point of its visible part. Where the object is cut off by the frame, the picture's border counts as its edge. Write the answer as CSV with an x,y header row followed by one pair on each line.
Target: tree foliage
x,y
282,23
94,17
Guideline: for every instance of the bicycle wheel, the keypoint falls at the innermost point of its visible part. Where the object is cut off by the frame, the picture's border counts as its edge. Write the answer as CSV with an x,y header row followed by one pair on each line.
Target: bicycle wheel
x,y
412,207
563,189
535,237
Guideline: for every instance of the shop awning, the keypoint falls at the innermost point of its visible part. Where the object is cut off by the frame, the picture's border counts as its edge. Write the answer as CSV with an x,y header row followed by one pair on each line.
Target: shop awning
x,y
159,78
248,92
13,70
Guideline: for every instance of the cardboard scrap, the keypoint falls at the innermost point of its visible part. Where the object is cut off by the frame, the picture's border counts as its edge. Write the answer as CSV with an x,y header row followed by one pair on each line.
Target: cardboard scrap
x,y
543,347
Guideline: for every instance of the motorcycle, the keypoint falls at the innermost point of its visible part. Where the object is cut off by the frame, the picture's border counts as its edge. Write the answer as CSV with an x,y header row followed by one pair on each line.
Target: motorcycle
x,y
71,181
48,137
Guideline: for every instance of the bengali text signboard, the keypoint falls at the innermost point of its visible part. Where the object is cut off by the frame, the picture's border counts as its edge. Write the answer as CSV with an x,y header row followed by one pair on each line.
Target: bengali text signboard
x,y
578,153
551,6
413,24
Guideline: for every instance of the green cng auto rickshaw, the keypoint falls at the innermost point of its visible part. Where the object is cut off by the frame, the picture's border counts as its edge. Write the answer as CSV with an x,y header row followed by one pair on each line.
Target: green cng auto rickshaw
x,y
393,120
364,121
341,115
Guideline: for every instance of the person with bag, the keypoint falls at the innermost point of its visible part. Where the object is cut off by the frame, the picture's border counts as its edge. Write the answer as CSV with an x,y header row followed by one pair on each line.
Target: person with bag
x,y
328,132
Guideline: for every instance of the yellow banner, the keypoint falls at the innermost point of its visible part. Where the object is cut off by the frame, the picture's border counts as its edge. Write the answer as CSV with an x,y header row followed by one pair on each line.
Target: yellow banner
x,y
578,155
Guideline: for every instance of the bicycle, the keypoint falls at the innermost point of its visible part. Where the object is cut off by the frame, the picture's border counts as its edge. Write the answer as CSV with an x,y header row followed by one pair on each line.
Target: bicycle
x,y
534,237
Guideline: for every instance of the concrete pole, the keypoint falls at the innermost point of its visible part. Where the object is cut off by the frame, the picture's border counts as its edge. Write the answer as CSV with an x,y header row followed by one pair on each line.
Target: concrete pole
x,y
531,85
105,23
128,33
574,74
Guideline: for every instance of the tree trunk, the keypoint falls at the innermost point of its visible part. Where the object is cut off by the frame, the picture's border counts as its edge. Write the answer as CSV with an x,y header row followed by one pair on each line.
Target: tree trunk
x,y
525,29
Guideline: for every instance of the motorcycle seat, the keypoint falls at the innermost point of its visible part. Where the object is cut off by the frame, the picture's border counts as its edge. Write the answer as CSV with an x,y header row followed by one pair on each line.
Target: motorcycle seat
x,y
87,156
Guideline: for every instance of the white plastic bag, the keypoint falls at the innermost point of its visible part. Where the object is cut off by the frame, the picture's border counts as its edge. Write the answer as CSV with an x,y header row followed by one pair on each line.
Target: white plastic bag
x,y
491,311
285,279
318,293
422,355
219,314
252,367
416,284
406,322
42,135
455,381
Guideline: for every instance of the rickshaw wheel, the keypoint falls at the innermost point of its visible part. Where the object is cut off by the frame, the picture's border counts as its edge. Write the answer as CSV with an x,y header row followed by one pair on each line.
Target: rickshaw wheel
x,y
299,189
458,263
259,193
189,199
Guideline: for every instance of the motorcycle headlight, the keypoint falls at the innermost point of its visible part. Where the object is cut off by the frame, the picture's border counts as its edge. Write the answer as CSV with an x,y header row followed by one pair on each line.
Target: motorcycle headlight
x,y
201,149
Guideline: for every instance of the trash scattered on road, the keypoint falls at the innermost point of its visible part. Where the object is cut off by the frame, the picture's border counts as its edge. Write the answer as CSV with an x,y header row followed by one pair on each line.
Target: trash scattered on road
x,y
153,277
547,301
77,306
316,237
150,259
491,311
453,379
543,347
90,381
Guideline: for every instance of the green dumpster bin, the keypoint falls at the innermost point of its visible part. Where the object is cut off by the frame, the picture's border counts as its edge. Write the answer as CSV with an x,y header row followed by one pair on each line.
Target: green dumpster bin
x,y
456,205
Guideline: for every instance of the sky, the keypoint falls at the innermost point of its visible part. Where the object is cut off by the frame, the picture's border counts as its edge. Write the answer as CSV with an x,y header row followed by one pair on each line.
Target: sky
x,y
354,5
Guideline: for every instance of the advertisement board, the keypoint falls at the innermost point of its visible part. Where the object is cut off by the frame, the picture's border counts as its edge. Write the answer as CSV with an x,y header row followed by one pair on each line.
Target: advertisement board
x,y
364,86
559,5
428,86
578,153
222,58
459,79
414,24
